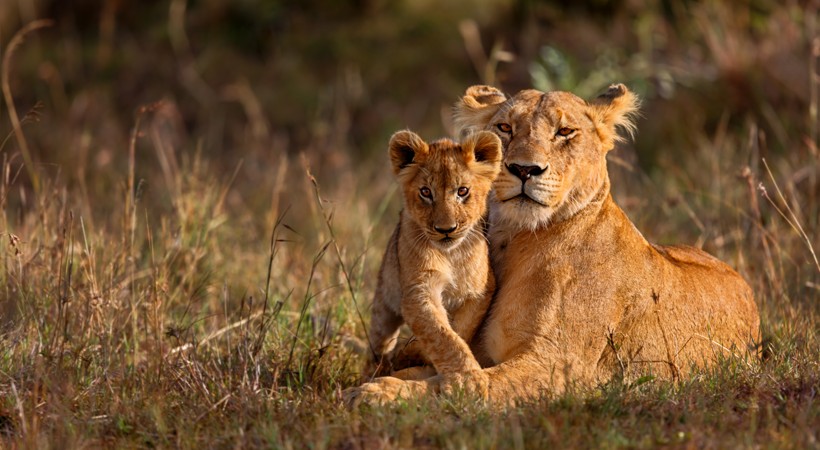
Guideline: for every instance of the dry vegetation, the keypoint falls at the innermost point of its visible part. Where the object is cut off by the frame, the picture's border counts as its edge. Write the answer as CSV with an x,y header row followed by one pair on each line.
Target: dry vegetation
x,y
194,197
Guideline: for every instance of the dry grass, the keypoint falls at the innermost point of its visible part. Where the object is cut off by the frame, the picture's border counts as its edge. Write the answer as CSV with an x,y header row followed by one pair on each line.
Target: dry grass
x,y
160,289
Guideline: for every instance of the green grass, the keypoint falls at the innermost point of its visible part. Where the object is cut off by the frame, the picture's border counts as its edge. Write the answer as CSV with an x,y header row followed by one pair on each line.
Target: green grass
x,y
199,286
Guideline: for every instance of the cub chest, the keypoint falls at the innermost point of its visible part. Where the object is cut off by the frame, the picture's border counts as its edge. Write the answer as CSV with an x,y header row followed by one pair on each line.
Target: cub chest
x,y
466,280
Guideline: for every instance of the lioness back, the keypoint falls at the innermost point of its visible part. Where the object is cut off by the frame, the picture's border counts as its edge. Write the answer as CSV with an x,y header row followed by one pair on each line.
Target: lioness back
x,y
435,274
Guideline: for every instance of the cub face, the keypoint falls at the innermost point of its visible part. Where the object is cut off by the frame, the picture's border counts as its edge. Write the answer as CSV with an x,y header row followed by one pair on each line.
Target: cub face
x,y
555,147
445,184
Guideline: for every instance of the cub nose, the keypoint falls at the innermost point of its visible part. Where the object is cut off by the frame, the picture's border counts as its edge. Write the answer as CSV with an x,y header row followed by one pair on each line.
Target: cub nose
x,y
445,229
525,172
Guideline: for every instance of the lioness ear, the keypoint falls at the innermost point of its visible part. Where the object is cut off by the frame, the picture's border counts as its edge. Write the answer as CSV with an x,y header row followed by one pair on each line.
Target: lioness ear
x,y
405,147
475,109
617,107
482,153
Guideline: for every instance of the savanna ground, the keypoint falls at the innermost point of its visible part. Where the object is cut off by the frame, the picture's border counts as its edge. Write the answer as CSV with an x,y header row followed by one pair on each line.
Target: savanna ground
x,y
195,196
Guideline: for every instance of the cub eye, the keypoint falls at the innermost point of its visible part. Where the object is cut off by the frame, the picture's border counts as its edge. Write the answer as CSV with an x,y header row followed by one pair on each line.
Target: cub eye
x,y
565,131
426,193
504,127
463,191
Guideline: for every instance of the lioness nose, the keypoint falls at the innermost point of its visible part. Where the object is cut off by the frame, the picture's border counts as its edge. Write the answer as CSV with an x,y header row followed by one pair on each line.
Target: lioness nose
x,y
445,229
524,172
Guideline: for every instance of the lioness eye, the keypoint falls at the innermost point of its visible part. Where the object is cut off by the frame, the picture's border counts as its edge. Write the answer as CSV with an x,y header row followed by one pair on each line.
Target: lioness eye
x,y
565,131
425,192
463,191
504,127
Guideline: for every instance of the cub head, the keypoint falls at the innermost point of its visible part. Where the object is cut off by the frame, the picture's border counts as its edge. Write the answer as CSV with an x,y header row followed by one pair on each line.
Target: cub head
x,y
555,147
445,184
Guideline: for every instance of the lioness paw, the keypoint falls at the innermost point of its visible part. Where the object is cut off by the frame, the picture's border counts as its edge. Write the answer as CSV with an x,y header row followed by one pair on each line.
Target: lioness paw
x,y
366,394
474,383
382,391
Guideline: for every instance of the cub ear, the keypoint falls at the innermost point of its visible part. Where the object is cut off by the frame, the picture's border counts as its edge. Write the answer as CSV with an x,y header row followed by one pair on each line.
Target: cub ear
x,y
405,148
482,153
617,107
475,109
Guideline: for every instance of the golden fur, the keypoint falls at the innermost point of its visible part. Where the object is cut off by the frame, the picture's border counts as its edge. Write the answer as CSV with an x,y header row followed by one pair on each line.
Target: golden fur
x,y
435,275
581,294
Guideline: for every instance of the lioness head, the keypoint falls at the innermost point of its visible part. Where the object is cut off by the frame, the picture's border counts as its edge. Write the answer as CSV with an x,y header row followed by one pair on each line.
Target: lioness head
x,y
445,184
555,147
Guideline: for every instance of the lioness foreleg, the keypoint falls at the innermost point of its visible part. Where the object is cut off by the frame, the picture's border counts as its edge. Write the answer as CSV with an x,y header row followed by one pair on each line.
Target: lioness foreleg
x,y
414,373
467,319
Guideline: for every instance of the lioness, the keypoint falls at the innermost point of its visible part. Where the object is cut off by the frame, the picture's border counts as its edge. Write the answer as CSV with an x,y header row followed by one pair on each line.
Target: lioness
x,y
581,294
436,271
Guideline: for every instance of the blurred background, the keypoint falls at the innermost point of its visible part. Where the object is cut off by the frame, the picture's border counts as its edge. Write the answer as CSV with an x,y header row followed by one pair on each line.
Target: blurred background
x,y
347,73
255,94
245,79
250,79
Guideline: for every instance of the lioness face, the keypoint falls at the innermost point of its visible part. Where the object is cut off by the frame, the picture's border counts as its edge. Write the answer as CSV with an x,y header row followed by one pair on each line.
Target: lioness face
x,y
445,184
555,147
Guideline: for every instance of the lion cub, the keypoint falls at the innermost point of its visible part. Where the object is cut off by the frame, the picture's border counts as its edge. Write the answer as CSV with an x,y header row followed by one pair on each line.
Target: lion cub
x,y
435,274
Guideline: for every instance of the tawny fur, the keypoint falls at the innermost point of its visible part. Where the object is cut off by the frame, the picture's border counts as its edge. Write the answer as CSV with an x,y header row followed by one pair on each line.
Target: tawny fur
x,y
582,296
435,275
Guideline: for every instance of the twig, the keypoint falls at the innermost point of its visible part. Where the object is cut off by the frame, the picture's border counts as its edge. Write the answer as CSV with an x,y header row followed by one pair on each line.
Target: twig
x,y
670,359
724,348
273,247
814,77
306,301
15,42
793,222
758,219
212,408
20,410
485,65
328,219
215,334
610,340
